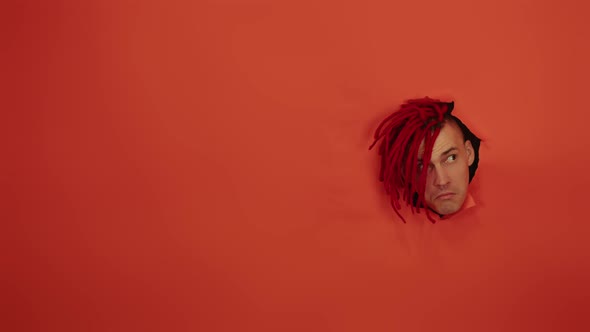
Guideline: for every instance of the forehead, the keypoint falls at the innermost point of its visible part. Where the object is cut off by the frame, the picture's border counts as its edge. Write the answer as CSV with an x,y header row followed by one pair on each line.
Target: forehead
x,y
450,136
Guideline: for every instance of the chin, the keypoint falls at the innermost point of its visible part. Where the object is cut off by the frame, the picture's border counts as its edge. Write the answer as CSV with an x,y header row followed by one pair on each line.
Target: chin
x,y
447,209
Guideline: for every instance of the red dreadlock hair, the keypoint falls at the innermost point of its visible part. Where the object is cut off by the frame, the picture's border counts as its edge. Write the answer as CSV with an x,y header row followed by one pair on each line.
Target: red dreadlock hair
x,y
402,132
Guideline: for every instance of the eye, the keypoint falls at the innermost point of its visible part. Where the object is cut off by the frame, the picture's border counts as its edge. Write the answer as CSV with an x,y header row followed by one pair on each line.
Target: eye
x,y
452,157
420,166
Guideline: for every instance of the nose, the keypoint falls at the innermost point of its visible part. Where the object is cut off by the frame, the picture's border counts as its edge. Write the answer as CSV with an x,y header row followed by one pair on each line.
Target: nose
x,y
441,178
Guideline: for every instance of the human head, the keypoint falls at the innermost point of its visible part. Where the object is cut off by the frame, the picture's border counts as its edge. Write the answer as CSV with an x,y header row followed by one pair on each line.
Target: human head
x,y
428,156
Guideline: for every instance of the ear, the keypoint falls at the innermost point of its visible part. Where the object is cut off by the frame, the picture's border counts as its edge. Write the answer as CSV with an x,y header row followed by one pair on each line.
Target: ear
x,y
470,152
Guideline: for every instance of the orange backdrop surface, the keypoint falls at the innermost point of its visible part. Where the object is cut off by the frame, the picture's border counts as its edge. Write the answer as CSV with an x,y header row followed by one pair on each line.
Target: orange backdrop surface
x,y
203,166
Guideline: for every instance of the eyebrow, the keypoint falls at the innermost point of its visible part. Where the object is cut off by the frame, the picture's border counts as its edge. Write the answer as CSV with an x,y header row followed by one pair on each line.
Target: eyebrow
x,y
449,150
445,152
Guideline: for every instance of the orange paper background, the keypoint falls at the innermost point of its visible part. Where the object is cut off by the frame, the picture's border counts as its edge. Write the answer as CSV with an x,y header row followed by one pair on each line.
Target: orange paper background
x,y
203,166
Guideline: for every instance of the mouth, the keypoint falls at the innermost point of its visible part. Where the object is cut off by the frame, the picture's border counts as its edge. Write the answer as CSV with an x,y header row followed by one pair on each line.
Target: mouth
x,y
445,196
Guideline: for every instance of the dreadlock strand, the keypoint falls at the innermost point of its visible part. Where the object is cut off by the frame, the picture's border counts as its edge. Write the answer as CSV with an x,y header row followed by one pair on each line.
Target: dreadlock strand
x,y
428,146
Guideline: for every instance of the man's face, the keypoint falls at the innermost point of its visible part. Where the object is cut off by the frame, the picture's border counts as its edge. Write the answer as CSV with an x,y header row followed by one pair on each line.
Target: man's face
x,y
448,173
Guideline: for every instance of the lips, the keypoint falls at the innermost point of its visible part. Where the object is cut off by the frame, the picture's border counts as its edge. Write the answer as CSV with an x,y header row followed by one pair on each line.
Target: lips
x,y
446,195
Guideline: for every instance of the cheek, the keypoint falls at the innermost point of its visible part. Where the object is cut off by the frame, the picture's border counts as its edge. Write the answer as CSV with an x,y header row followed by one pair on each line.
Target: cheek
x,y
460,175
430,188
